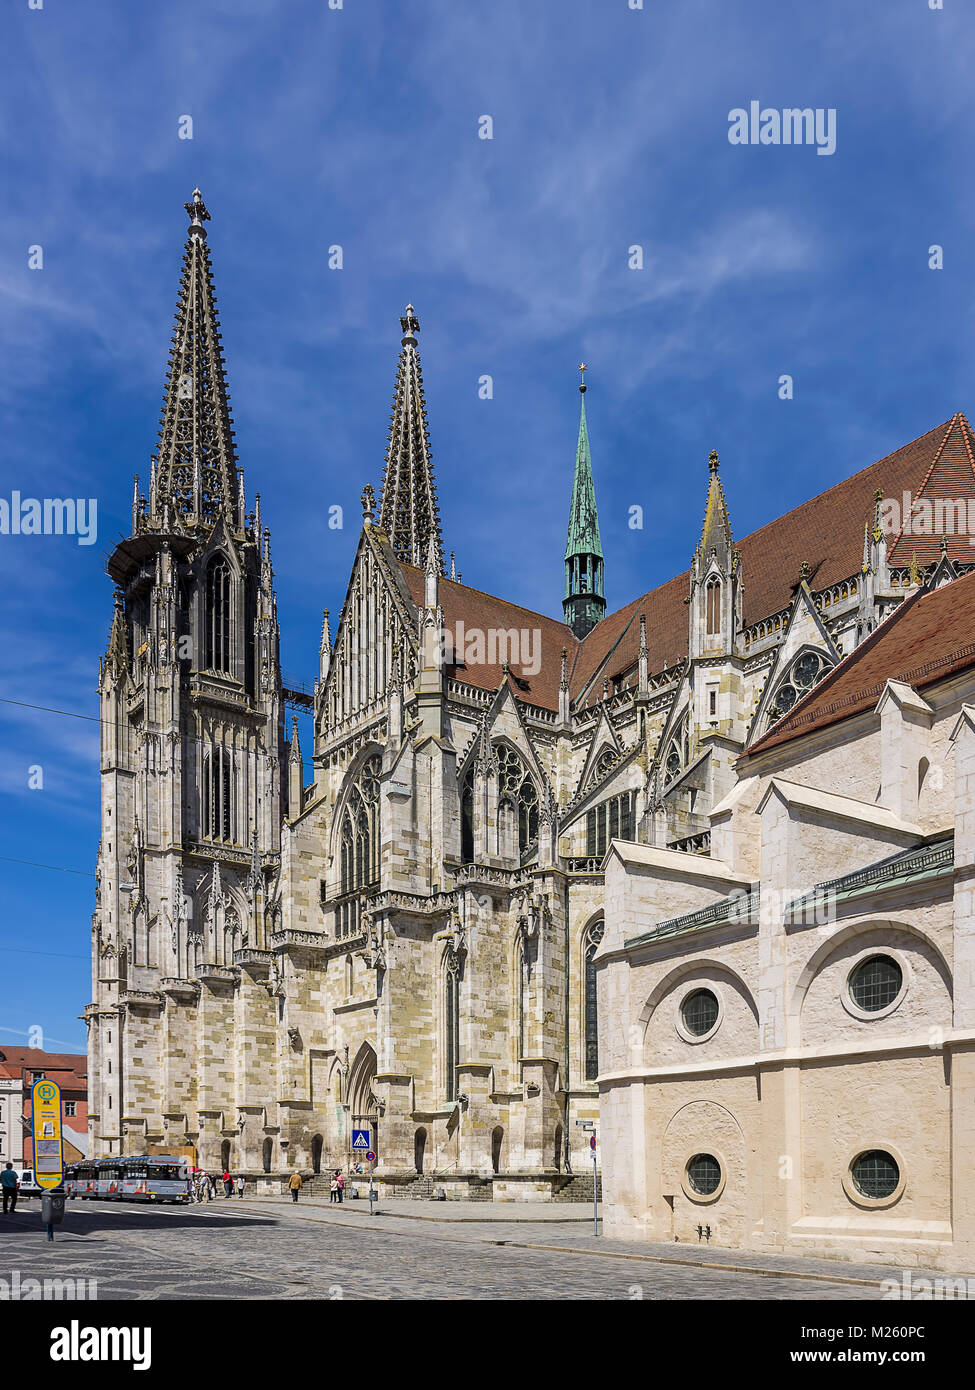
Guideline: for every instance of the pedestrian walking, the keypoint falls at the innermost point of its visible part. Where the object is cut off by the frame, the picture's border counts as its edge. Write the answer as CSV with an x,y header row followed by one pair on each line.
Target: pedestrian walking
x,y
240,1186
295,1186
228,1186
9,1182
341,1185
333,1190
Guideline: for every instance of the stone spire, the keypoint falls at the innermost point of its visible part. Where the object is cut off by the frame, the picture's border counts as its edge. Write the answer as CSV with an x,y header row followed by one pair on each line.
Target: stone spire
x,y
325,648
408,510
195,464
584,602
117,656
716,531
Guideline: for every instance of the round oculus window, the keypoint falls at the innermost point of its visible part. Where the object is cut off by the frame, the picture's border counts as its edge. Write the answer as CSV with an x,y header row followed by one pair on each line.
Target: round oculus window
x,y
875,1174
699,1012
875,983
704,1174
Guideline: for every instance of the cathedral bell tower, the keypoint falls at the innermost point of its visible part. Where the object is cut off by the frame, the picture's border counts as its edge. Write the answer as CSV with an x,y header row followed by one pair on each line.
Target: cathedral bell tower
x,y
192,737
584,602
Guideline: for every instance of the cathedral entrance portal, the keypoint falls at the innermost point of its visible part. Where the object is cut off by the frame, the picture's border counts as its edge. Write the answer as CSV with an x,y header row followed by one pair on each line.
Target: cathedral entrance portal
x,y
363,1110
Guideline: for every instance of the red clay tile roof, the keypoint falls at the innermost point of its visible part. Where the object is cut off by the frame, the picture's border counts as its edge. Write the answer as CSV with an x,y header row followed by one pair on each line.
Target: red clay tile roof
x,y
826,532
13,1060
926,640
485,613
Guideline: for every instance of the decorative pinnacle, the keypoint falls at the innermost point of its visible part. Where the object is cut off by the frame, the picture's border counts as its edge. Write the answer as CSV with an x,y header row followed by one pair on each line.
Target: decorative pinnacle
x,y
804,570
410,324
713,460
582,385
197,212
368,502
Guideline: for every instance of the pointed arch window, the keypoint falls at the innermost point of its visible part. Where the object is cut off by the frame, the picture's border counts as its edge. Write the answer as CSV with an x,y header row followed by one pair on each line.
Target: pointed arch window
x,y
218,615
713,595
806,671
678,751
467,819
218,820
611,820
516,782
590,946
360,843
451,994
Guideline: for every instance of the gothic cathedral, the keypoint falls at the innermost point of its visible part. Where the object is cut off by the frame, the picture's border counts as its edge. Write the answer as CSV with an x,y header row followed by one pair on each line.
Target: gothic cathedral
x,y
405,940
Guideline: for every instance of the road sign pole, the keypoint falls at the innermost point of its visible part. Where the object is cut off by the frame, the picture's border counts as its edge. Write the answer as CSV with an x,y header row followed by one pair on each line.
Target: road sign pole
x,y
47,1148
595,1217
370,1187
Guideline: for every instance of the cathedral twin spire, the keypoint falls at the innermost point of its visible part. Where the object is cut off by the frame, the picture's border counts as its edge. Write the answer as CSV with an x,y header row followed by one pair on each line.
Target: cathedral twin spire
x,y
194,473
408,510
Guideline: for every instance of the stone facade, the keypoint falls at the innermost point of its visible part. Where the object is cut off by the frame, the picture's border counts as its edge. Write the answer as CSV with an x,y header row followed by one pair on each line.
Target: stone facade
x,y
847,841
401,935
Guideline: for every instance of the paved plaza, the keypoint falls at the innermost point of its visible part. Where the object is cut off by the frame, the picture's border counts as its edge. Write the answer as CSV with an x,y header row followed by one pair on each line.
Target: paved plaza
x,y
265,1248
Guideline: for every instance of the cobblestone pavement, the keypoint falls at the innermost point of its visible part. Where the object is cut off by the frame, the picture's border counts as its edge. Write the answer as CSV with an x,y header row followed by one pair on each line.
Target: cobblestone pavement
x,y
268,1249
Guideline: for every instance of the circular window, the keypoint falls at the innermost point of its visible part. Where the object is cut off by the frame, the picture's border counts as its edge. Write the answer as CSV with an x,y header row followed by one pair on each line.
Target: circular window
x,y
786,698
704,1174
875,1174
876,983
699,1012
805,673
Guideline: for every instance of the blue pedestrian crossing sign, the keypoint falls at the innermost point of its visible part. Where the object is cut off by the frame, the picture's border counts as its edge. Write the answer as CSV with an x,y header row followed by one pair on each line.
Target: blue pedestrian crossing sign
x,y
360,1139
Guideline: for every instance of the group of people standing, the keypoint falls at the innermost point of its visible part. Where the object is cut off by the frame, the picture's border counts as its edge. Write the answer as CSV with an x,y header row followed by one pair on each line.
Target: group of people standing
x,y
336,1188
206,1186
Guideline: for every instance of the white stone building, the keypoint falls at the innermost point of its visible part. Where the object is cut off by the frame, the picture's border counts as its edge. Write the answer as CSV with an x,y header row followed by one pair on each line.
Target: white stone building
x,y
787,1025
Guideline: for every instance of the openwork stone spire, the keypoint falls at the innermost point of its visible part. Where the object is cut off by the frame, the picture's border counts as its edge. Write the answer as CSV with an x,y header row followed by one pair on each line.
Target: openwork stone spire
x,y
408,511
194,469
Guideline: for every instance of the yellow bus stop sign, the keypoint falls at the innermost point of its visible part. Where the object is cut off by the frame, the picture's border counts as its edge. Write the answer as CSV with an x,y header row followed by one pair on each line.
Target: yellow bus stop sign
x,y
48,1153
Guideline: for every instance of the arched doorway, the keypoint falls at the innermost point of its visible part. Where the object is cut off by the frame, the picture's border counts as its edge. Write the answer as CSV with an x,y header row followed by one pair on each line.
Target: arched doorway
x,y
558,1148
497,1139
267,1154
225,1156
317,1144
419,1149
362,1106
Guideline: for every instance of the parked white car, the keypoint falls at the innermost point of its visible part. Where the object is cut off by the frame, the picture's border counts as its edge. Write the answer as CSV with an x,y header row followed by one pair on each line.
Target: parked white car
x,y
28,1186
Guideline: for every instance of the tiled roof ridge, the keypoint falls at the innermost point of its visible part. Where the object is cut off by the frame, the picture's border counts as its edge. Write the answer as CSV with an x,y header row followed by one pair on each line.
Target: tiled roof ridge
x,y
496,598
933,465
840,669
877,687
785,729
844,482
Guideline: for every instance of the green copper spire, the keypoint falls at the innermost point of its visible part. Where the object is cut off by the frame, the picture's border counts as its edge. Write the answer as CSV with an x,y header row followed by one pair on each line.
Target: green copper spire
x,y
584,602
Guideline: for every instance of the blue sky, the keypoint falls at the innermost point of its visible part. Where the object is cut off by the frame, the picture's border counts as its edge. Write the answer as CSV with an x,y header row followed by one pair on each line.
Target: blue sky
x,y
359,127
